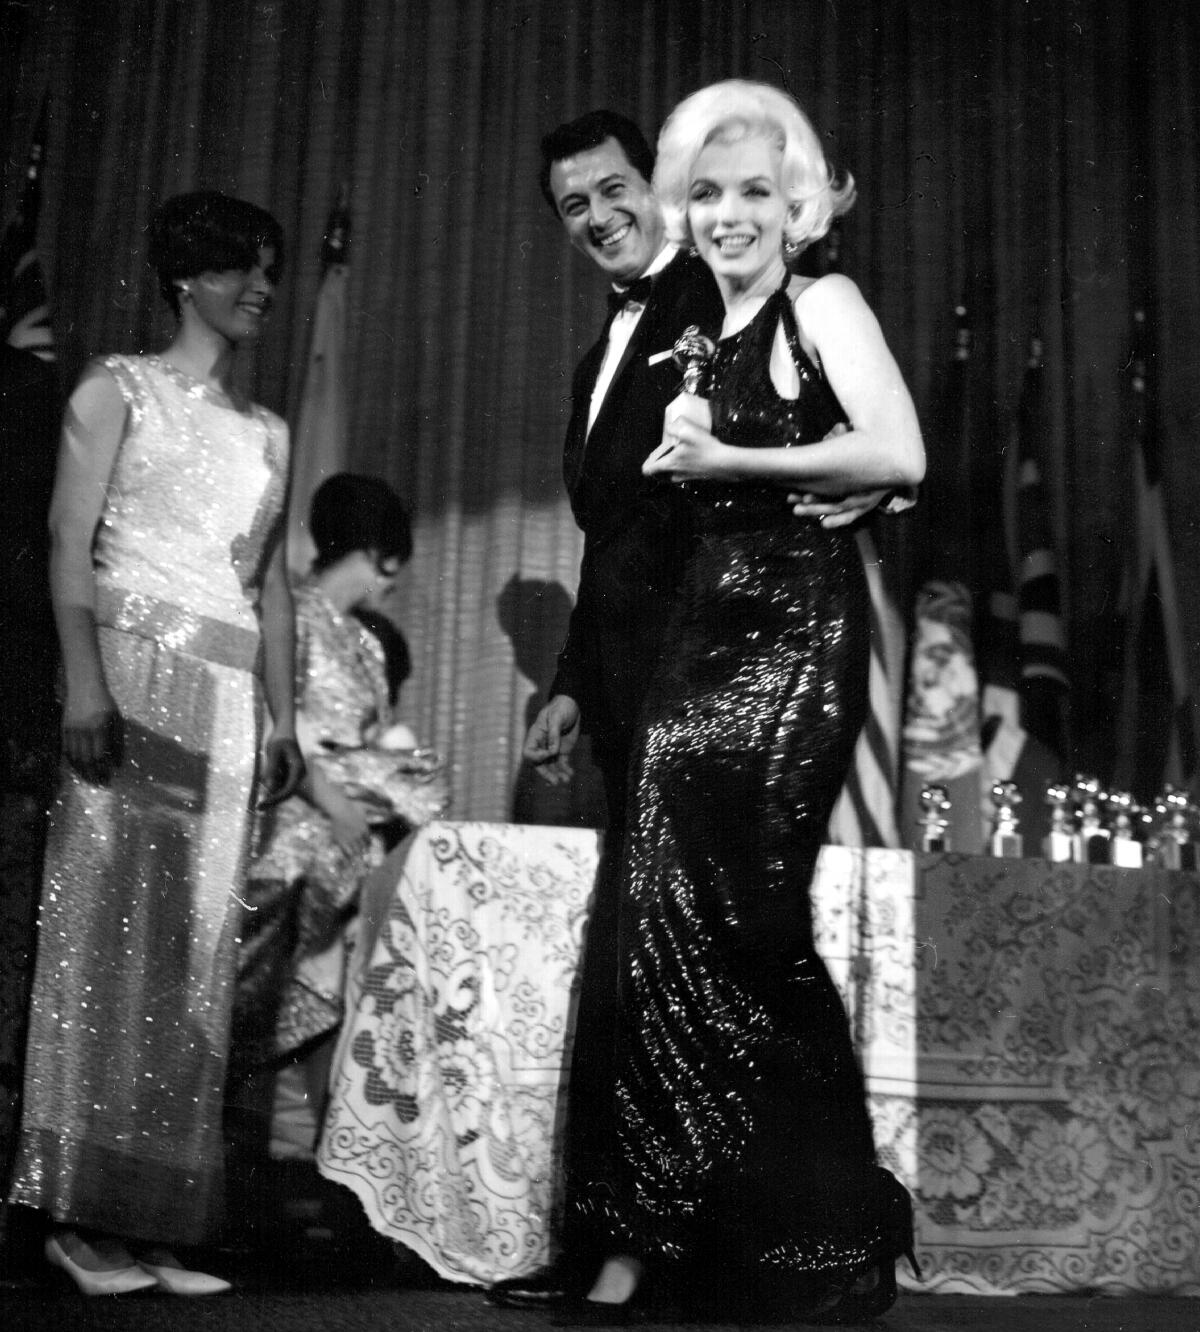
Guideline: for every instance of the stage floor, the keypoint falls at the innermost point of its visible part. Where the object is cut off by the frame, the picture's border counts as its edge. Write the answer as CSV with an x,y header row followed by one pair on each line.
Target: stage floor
x,y
317,1267
44,1308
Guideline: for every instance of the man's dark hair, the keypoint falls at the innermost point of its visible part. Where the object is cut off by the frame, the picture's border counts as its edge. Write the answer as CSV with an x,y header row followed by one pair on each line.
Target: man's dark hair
x,y
589,131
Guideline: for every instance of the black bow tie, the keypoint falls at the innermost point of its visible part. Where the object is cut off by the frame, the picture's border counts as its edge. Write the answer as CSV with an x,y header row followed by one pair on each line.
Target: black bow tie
x,y
637,293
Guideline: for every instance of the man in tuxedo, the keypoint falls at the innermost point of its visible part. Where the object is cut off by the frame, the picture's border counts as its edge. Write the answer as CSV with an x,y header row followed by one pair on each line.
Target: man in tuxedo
x,y
636,531
596,173
596,177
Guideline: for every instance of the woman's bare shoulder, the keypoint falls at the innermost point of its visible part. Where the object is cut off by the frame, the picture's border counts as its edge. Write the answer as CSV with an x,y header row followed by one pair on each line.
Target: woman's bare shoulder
x,y
833,290
99,391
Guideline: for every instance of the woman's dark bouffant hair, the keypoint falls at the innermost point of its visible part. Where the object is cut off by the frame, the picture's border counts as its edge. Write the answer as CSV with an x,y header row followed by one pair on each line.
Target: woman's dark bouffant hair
x,y
351,512
208,232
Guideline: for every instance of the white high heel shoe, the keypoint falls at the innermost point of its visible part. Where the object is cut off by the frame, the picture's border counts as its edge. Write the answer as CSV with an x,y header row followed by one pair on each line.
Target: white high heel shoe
x,y
111,1281
177,1280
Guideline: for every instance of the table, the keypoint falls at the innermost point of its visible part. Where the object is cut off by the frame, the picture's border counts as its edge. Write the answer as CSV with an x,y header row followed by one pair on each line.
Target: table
x,y
448,1069
1028,1031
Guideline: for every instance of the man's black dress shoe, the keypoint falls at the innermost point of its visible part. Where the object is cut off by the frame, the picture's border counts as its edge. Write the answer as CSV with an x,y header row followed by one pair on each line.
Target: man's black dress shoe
x,y
546,1289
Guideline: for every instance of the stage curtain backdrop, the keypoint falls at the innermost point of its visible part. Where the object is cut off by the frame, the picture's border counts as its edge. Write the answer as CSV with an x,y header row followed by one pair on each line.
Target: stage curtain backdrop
x,y
1035,159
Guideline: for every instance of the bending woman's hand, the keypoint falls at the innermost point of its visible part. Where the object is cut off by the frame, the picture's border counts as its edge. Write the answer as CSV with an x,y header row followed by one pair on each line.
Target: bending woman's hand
x,y
283,770
93,734
351,830
689,451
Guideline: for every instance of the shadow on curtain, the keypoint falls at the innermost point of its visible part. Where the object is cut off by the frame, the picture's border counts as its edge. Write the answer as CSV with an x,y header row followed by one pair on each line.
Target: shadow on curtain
x,y
1037,162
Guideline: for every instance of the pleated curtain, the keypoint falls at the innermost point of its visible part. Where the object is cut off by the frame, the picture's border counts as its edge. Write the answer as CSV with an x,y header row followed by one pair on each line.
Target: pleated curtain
x,y
1035,160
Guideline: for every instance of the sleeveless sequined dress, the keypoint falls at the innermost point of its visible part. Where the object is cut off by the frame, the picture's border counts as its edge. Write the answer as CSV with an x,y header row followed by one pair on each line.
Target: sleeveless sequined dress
x,y
141,900
303,885
745,1146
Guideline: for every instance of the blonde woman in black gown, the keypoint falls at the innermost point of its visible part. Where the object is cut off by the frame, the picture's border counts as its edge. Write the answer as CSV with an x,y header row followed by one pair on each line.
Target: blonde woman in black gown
x,y
745,1149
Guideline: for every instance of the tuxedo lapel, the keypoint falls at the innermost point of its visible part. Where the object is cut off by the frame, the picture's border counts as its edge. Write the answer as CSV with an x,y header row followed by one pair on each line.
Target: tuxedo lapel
x,y
586,374
662,298
674,301
618,385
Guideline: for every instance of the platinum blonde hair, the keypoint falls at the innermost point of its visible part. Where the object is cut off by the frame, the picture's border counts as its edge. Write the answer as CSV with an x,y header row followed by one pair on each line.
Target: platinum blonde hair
x,y
741,108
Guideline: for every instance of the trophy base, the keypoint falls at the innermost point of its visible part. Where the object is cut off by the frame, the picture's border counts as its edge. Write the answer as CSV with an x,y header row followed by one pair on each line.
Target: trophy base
x,y
1177,855
1092,849
1059,847
1127,853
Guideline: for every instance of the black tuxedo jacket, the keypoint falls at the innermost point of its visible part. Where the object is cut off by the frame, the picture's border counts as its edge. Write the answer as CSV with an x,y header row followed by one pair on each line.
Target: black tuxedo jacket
x,y
636,529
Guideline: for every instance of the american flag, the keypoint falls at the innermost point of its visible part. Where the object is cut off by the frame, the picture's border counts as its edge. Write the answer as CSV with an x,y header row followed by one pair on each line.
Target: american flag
x,y
1044,682
866,811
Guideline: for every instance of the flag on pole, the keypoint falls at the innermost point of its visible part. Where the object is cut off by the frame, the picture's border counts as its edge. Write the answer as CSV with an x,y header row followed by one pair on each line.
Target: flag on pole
x,y
1022,641
941,735
319,440
24,306
1157,740
1042,641
866,810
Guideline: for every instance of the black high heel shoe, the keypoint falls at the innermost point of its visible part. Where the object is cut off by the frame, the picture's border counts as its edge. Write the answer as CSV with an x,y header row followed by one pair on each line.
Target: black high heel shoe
x,y
862,1299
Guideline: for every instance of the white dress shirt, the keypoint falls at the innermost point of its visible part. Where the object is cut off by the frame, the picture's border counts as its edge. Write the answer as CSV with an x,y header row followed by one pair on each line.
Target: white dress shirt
x,y
619,333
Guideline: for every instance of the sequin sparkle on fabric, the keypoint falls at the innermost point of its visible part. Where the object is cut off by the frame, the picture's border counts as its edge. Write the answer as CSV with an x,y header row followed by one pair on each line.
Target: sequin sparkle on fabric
x,y
142,905
745,1144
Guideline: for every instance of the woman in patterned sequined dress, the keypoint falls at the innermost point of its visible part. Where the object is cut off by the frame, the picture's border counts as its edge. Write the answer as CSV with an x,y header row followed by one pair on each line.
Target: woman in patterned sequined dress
x,y
168,583
366,783
745,1149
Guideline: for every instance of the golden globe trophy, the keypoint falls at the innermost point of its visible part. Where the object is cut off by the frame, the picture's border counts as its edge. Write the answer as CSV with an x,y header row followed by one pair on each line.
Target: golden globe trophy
x,y
935,806
1006,840
1059,843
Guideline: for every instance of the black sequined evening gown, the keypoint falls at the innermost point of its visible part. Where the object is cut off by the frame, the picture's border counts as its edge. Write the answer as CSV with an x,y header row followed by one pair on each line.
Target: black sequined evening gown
x,y
745,1146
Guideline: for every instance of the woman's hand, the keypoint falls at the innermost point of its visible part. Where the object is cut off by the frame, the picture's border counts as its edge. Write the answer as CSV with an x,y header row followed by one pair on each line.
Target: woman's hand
x,y
689,450
351,831
93,733
348,817
282,772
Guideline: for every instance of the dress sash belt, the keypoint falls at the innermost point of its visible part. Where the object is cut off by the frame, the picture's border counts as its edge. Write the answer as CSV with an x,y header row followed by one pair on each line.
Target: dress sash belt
x,y
178,629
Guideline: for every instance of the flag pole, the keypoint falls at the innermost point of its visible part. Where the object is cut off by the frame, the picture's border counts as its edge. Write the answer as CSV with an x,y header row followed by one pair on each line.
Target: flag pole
x,y
319,439
1157,741
941,733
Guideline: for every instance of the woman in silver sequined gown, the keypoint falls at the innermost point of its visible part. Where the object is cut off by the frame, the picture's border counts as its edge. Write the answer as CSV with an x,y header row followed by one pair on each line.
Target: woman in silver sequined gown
x,y
168,581
745,1149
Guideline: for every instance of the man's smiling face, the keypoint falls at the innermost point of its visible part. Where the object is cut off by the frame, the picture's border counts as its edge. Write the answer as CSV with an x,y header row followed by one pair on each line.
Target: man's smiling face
x,y
608,210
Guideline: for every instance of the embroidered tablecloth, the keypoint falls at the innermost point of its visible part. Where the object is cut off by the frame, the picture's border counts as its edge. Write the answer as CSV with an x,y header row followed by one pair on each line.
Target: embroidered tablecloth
x,y
1029,1033
447,1072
